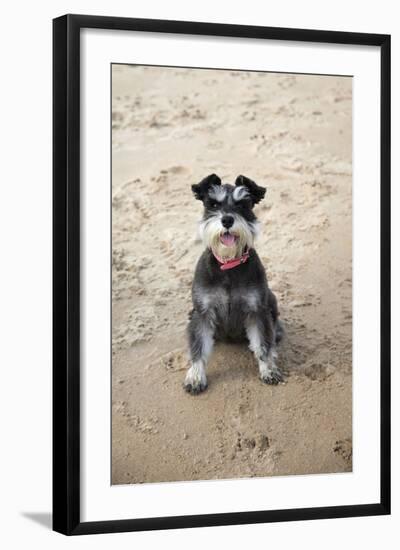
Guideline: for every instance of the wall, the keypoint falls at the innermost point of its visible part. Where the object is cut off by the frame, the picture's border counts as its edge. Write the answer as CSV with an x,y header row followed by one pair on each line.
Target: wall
x,y
25,219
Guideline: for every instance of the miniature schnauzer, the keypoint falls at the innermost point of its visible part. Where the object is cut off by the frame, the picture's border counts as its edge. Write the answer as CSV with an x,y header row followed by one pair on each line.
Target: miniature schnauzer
x,y
231,298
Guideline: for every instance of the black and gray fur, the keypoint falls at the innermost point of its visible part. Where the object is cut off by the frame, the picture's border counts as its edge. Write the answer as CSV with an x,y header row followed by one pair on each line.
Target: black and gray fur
x,y
236,304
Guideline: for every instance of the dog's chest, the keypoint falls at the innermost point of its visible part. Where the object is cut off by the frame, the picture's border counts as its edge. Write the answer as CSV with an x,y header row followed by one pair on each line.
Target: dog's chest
x,y
228,307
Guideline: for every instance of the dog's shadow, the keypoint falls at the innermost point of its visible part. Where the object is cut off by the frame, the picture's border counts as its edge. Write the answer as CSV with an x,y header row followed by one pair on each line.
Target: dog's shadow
x,y
231,361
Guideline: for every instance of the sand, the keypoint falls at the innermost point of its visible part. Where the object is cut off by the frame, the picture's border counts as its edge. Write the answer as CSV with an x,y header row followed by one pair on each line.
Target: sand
x,y
292,134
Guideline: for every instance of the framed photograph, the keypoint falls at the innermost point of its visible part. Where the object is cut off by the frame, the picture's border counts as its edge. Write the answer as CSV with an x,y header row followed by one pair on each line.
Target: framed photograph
x,y
221,274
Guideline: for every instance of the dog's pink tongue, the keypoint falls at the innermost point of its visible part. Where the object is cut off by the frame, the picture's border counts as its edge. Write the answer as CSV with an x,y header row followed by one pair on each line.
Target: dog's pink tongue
x,y
228,239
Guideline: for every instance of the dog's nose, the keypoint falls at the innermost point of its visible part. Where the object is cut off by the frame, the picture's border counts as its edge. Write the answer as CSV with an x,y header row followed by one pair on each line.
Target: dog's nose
x,y
227,221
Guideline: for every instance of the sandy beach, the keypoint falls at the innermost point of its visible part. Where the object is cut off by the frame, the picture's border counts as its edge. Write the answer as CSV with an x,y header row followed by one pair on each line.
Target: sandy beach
x,y
292,134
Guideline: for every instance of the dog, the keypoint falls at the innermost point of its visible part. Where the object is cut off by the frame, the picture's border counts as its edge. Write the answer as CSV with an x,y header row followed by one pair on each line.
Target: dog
x,y
230,294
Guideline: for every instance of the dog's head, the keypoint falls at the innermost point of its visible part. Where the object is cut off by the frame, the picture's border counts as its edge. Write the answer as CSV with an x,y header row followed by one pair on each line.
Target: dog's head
x,y
229,224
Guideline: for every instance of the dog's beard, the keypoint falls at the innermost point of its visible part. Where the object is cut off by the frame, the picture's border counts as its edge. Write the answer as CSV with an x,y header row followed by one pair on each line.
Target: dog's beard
x,y
211,230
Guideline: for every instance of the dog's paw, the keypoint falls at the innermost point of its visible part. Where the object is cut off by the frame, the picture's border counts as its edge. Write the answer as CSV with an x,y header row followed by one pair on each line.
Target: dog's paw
x,y
195,381
272,379
194,389
270,374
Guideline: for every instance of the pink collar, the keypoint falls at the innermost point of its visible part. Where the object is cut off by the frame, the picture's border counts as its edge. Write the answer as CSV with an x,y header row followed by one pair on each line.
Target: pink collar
x,y
229,264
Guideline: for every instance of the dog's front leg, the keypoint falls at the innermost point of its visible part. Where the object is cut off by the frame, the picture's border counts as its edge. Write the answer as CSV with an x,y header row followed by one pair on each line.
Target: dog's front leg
x,y
262,343
201,341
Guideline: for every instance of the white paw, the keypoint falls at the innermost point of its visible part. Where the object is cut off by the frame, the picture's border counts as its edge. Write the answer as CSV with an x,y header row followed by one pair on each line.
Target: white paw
x,y
196,380
269,372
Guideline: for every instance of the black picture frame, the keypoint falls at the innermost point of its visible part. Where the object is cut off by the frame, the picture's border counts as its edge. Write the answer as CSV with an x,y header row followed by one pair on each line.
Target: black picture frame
x,y
66,273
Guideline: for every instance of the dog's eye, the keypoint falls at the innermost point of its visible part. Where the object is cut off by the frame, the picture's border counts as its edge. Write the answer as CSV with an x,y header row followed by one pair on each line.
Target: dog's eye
x,y
214,204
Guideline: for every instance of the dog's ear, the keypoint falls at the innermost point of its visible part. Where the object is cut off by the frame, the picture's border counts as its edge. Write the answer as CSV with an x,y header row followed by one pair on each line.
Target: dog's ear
x,y
201,189
256,192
